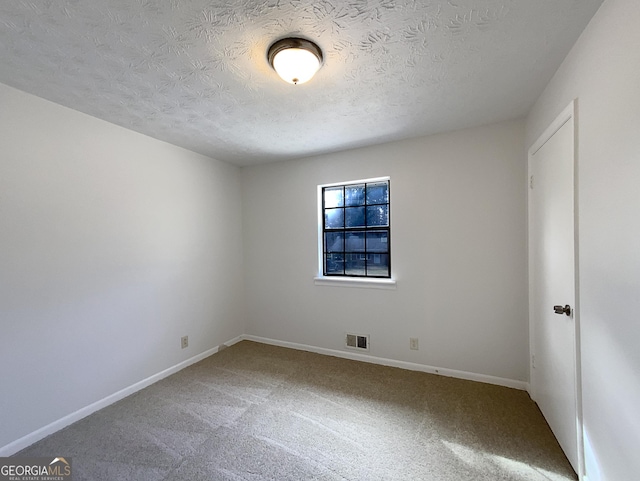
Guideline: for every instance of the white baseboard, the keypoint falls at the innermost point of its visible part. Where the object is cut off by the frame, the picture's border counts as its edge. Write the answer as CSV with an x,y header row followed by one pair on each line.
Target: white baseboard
x,y
470,376
45,431
57,425
230,343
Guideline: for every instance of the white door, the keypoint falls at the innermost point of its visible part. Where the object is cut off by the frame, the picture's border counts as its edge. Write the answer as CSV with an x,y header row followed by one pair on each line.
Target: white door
x,y
554,375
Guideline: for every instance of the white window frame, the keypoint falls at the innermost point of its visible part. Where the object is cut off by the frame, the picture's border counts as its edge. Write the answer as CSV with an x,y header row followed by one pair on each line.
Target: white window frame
x,y
340,281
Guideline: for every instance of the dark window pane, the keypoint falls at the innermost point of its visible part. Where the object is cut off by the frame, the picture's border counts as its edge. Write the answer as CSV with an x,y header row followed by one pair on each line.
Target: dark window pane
x,y
333,197
355,265
333,242
354,194
334,264
377,242
378,215
354,217
333,218
378,193
356,231
378,265
354,241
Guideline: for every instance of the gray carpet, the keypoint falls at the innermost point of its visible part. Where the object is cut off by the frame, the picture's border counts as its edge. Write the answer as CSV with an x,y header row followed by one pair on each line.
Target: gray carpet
x,y
257,412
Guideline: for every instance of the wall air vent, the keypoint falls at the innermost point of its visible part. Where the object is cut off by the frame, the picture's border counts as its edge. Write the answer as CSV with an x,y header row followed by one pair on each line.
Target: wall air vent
x,y
357,341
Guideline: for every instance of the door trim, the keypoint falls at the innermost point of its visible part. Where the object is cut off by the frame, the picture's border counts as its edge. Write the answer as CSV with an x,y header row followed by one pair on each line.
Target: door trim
x,y
569,114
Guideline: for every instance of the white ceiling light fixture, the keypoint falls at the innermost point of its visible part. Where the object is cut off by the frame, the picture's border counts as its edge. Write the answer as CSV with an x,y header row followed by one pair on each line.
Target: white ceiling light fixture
x,y
296,60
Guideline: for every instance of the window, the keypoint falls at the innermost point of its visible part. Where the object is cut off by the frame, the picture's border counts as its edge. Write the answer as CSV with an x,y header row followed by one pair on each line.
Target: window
x,y
356,229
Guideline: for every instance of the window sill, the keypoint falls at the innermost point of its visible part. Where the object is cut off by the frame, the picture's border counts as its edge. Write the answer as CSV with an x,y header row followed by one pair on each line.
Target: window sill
x,y
355,282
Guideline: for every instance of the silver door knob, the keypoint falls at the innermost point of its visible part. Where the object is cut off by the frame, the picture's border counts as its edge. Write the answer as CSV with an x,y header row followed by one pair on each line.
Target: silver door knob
x,y
562,310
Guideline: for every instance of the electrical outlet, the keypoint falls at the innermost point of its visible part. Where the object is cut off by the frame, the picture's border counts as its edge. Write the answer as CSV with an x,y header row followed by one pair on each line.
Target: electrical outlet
x,y
413,343
184,342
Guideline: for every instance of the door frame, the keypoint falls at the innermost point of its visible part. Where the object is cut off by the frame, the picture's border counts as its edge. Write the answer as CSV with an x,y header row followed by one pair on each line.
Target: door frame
x,y
569,114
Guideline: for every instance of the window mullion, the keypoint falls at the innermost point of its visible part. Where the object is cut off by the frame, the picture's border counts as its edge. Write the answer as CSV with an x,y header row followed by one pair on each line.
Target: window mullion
x,y
366,229
331,234
344,234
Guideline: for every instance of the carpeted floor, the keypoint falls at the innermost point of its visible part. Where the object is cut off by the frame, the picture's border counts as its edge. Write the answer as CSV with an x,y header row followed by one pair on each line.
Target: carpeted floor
x,y
258,412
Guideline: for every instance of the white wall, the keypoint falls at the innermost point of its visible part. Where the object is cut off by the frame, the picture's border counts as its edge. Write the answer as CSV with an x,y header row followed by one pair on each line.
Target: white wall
x,y
603,72
113,245
458,252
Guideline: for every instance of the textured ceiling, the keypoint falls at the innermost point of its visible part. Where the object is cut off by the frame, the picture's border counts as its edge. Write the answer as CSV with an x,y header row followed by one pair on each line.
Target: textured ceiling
x,y
194,72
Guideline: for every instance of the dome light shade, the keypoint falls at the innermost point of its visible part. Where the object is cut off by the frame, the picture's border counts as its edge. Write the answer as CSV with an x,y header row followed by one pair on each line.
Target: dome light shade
x,y
295,60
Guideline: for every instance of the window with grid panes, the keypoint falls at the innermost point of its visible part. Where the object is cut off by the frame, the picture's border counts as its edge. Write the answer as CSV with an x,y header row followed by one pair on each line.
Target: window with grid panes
x,y
356,229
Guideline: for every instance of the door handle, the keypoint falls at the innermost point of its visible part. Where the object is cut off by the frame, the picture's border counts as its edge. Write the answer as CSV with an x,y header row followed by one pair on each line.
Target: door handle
x,y
562,310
